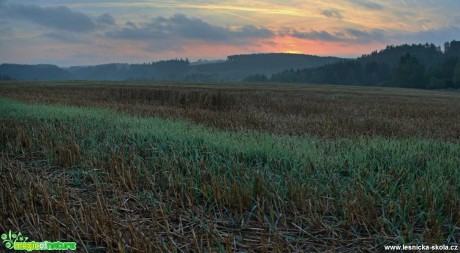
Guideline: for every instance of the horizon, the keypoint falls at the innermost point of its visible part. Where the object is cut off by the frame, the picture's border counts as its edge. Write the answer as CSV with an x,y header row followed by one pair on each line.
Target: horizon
x,y
205,61
215,60
85,33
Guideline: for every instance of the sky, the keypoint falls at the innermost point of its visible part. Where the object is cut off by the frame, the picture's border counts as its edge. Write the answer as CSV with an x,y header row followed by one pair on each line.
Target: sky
x,y
87,32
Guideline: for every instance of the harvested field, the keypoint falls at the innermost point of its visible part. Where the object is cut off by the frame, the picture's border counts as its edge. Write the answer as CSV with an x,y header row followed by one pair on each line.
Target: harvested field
x,y
229,168
319,110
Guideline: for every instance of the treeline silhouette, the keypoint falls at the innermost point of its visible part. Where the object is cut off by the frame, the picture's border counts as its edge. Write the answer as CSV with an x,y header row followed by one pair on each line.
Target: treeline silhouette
x,y
237,67
162,70
412,66
32,72
234,68
6,78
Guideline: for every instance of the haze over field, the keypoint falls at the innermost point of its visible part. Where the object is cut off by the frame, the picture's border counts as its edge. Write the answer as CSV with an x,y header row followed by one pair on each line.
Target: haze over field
x,y
92,32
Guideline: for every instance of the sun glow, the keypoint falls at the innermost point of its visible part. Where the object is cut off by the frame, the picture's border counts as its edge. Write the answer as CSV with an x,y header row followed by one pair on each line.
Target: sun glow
x,y
293,52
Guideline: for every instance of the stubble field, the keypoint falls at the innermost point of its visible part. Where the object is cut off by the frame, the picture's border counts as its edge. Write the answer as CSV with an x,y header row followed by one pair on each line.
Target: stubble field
x,y
139,167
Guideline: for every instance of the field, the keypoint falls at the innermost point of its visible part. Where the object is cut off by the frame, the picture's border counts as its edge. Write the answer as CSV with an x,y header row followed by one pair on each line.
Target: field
x,y
158,167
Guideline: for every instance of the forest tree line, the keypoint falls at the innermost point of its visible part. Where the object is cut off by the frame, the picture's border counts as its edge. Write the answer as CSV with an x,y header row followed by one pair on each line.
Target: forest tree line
x,y
423,66
234,68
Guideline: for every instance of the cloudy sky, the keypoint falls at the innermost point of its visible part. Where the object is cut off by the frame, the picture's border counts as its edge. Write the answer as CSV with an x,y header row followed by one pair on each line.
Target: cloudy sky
x,y
78,32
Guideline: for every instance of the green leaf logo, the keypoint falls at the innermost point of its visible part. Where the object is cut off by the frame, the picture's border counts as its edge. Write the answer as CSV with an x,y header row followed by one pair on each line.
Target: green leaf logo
x,y
10,238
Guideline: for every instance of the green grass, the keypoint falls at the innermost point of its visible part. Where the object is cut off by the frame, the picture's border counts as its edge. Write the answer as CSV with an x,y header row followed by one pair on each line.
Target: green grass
x,y
398,190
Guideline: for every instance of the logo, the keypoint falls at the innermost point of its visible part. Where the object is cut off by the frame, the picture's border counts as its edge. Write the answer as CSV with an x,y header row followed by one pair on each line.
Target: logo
x,y
16,241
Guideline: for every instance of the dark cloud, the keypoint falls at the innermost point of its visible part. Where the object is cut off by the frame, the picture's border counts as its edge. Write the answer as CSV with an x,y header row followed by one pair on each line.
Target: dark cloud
x,y
332,13
356,36
316,35
250,31
105,19
181,27
61,18
347,35
356,33
65,37
365,36
367,4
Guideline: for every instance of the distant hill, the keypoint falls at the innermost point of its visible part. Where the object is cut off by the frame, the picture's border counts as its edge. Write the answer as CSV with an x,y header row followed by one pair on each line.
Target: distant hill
x,y
34,72
411,66
234,68
237,67
427,54
171,70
